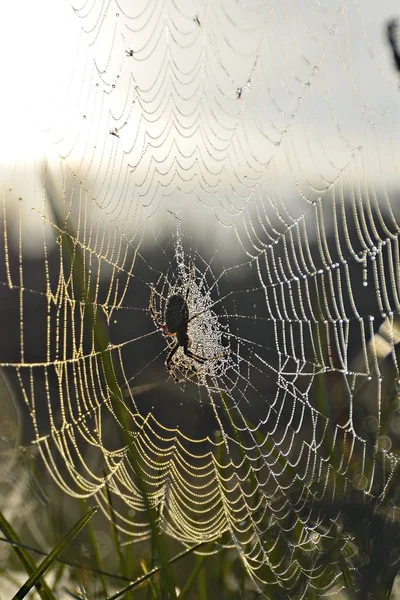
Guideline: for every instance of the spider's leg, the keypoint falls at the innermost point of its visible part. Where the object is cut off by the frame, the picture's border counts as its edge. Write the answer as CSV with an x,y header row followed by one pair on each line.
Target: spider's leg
x,y
153,312
151,306
187,376
201,312
199,359
170,356
202,359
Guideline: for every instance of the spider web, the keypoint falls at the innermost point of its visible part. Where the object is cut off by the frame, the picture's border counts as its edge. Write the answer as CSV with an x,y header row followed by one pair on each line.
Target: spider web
x,y
236,154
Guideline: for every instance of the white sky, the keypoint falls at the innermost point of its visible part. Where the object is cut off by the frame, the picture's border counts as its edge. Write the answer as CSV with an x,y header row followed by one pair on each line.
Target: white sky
x,y
46,84
37,41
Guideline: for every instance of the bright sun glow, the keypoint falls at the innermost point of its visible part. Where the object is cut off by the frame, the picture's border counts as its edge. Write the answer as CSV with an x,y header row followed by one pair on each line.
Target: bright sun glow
x,y
37,57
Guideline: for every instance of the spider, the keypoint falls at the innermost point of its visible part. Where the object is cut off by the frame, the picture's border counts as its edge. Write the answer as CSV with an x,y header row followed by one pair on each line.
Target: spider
x,y
176,323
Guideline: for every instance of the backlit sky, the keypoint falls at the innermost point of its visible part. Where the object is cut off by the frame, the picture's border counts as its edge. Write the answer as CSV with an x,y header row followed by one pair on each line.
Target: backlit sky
x,y
355,91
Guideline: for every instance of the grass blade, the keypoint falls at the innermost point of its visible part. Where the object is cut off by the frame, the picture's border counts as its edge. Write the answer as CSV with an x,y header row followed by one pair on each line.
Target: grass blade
x,y
147,576
28,564
51,557
151,587
195,573
95,550
114,531
201,583
69,563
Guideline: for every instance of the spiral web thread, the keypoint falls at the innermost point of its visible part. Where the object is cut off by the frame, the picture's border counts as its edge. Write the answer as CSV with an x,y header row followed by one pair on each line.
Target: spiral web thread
x,y
232,111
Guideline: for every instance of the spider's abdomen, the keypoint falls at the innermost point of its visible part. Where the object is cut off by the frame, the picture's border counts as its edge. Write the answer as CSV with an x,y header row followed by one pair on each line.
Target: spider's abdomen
x,y
176,314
